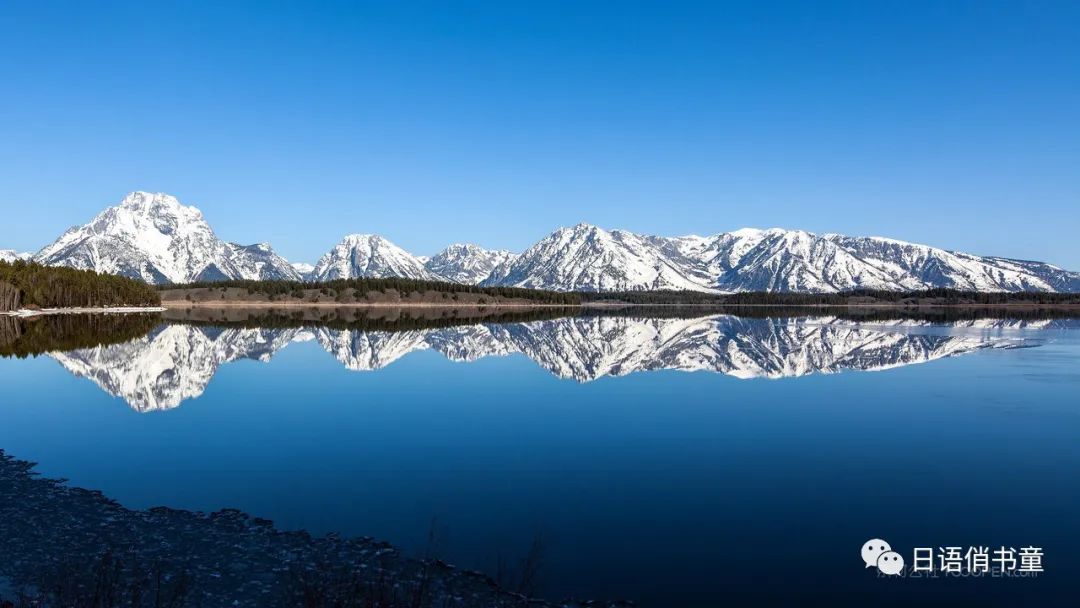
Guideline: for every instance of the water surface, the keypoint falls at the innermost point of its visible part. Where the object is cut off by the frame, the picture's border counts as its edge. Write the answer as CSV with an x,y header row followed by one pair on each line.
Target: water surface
x,y
664,460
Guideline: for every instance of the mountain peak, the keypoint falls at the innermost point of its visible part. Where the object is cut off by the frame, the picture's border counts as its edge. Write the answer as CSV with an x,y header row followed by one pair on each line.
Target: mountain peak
x,y
139,197
365,238
153,237
147,201
747,232
581,227
369,256
461,247
467,263
589,258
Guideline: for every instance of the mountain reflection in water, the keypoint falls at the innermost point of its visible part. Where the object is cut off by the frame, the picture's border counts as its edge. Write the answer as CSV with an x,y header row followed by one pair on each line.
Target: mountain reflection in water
x,y
175,361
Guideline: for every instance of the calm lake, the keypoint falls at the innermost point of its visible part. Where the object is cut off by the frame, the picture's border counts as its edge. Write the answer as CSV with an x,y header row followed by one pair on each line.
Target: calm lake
x,y
673,461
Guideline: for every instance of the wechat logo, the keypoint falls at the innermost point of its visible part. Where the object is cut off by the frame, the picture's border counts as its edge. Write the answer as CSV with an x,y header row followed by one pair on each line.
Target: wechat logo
x,y
878,554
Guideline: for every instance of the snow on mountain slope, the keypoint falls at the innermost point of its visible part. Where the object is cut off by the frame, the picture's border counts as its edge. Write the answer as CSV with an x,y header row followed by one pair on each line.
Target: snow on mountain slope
x,y
10,255
923,266
259,262
466,263
588,258
155,238
370,256
788,260
303,269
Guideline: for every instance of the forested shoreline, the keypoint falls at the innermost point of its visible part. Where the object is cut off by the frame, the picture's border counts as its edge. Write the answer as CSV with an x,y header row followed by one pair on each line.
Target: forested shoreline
x,y
928,297
358,319
355,290
279,290
29,285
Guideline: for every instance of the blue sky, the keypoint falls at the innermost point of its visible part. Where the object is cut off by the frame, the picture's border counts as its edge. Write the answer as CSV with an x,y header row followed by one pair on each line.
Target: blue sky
x,y
951,123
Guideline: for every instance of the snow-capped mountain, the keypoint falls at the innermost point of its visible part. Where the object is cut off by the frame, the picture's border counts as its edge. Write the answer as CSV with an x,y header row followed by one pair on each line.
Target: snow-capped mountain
x,y
258,262
303,269
465,263
587,258
10,255
369,256
155,238
929,266
782,260
176,362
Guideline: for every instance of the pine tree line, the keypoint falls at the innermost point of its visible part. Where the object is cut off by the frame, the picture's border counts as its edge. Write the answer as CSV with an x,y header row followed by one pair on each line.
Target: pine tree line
x,y
360,320
31,285
401,285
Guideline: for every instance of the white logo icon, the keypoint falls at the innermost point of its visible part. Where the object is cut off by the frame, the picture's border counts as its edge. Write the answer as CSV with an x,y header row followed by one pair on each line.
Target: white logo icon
x,y
872,550
890,562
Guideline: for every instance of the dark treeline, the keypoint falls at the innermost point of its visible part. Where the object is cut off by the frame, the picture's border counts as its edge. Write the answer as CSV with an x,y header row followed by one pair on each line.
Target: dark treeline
x,y
765,298
30,285
940,296
659,297
286,288
358,319
36,335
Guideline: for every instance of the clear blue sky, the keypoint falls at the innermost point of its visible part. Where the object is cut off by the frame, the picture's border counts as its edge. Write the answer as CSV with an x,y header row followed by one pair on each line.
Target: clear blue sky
x,y
951,123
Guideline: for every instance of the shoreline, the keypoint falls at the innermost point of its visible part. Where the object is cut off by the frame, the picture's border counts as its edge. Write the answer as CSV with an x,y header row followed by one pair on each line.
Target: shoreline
x,y
53,532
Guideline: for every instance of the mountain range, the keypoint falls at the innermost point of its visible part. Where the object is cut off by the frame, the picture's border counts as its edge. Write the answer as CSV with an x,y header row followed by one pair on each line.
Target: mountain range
x,y
155,238
177,362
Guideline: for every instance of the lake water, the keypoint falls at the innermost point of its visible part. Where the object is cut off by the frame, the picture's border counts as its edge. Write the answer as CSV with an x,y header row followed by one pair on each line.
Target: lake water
x,y
671,461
